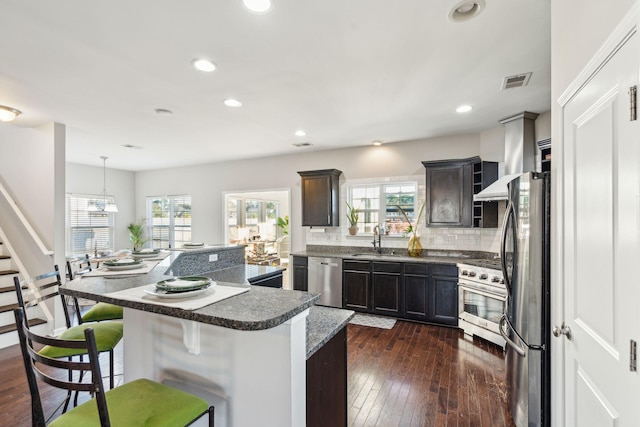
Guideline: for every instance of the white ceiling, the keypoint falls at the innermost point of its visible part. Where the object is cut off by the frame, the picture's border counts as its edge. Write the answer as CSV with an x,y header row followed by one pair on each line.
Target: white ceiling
x,y
346,71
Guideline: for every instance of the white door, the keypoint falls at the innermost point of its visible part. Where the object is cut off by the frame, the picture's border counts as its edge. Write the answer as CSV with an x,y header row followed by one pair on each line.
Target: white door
x,y
600,248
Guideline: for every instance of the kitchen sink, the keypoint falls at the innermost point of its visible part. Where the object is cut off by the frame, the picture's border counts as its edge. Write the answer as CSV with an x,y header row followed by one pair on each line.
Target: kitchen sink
x,y
375,255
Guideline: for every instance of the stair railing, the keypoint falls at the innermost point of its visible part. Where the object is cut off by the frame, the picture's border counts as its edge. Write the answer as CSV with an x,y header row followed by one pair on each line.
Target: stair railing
x,y
36,238
22,270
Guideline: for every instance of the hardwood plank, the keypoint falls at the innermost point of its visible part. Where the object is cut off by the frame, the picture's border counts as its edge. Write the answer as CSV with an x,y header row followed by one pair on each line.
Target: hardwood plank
x,y
412,375
432,376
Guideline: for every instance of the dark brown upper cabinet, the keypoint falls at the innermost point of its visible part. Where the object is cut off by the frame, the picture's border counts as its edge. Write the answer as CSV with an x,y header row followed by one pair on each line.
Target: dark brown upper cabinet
x,y
320,198
451,185
449,192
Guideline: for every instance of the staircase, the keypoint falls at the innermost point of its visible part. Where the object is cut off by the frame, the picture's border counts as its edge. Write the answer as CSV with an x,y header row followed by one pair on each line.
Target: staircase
x,y
9,302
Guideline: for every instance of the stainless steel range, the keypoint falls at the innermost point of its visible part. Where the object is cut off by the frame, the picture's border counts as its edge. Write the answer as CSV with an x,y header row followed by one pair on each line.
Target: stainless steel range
x,y
483,296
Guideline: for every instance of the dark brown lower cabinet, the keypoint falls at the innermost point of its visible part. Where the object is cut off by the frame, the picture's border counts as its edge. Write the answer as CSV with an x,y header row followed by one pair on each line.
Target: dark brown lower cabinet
x,y
443,295
300,273
417,291
356,285
327,384
388,298
416,287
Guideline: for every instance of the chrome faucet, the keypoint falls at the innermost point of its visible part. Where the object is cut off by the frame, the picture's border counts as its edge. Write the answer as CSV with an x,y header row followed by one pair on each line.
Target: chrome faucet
x,y
377,246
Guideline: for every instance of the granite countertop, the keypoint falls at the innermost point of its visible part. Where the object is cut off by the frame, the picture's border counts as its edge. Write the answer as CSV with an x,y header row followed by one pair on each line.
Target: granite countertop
x,y
435,257
323,323
260,308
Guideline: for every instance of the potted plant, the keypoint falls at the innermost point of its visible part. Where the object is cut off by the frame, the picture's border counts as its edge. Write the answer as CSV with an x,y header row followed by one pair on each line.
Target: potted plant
x,y
136,234
414,247
352,216
283,223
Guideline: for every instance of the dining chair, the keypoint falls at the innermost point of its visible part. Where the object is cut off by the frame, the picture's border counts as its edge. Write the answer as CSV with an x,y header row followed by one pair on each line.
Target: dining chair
x,y
78,266
282,248
137,403
40,291
99,311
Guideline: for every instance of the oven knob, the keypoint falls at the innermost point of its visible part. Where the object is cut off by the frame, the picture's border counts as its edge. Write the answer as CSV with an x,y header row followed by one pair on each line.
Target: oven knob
x,y
502,281
472,274
483,276
465,273
495,279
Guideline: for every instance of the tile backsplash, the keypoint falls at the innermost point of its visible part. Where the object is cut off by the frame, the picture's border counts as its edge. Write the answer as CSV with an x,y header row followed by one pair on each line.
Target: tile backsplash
x,y
462,239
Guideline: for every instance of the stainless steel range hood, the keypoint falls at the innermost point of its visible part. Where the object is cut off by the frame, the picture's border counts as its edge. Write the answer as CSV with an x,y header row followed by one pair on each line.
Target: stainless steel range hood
x,y
519,154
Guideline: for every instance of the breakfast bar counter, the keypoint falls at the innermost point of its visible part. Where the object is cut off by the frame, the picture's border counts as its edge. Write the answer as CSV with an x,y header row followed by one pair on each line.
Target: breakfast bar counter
x,y
246,354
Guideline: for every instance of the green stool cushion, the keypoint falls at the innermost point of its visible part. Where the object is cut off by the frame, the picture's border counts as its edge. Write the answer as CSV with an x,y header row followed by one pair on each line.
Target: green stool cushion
x,y
108,335
139,403
102,311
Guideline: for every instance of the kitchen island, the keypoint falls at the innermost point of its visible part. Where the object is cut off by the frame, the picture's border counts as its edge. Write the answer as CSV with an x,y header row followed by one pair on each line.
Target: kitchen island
x,y
246,354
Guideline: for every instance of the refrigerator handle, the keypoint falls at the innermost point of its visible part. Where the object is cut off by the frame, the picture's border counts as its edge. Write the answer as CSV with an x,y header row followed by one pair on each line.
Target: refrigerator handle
x,y
503,244
512,344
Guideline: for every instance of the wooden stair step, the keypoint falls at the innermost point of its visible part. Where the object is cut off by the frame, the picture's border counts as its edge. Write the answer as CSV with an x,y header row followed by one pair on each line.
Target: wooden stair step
x,y
7,289
12,327
8,272
8,307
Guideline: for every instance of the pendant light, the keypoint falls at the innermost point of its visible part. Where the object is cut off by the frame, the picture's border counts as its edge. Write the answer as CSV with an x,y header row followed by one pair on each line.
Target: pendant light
x,y
106,207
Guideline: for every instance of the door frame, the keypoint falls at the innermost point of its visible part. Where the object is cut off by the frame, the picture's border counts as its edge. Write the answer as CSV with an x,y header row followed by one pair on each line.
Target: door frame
x,y
623,31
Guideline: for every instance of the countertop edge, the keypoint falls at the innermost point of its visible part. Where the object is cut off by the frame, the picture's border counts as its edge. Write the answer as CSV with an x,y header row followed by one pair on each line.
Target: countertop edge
x,y
323,323
194,315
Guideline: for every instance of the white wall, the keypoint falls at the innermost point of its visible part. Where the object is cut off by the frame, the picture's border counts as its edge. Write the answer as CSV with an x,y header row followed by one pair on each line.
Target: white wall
x,y
83,179
578,29
29,161
207,183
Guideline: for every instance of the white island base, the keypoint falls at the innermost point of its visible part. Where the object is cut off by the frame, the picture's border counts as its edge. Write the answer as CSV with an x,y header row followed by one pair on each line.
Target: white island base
x,y
253,378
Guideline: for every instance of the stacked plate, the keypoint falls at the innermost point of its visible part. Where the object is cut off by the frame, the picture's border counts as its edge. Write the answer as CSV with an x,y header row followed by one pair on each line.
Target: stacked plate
x,y
123,264
145,253
192,245
182,287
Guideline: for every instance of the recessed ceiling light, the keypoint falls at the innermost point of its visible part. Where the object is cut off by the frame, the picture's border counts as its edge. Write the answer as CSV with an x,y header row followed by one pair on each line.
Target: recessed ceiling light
x,y
7,114
232,103
204,65
465,10
257,6
163,111
377,143
464,109
300,133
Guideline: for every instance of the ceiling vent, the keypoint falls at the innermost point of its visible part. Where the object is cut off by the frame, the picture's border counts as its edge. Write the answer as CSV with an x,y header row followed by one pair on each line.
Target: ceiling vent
x,y
303,144
518,80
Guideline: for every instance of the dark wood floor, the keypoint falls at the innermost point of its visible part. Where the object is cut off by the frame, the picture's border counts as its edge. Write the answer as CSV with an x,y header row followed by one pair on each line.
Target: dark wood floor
x,y
423,375
411,375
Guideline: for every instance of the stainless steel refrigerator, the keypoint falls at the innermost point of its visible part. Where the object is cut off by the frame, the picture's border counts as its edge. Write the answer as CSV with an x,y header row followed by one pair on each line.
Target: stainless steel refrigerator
x,y
525,326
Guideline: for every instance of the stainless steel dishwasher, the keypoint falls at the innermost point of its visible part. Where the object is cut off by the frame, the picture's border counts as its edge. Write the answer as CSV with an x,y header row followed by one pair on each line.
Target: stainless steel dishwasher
x,y
325,278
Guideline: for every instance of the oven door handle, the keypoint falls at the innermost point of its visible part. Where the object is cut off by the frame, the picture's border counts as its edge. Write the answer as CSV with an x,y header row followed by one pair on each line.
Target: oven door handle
x,y
482,292
513,345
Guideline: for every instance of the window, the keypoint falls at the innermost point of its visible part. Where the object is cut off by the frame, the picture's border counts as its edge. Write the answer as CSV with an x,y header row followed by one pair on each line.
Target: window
x,y
248,218
169,221
87,231
378,204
